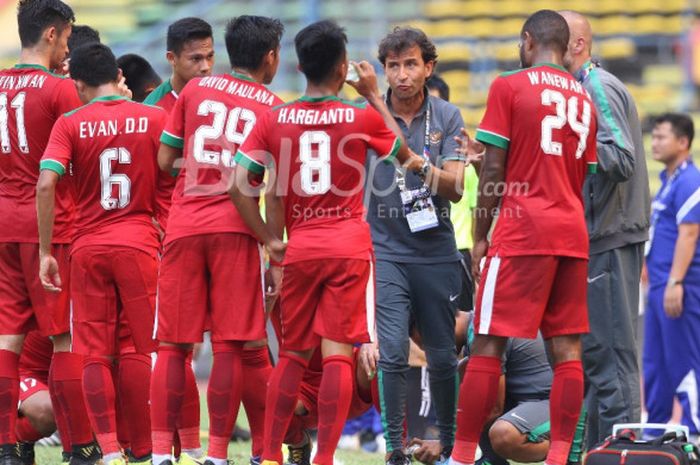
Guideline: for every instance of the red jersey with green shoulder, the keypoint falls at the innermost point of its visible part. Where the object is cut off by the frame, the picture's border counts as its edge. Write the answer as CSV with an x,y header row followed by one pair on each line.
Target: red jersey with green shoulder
x,y
163,96
31,100
212,117
318,148
546,121
112,144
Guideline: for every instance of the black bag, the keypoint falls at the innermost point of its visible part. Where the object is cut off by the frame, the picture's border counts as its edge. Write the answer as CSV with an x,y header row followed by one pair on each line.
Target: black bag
x,y
672,448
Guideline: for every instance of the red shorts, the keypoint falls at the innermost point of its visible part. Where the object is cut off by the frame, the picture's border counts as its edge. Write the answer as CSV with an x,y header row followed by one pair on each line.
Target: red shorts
x,y
331,299
24,304
30,385
211,280
519,295
109,286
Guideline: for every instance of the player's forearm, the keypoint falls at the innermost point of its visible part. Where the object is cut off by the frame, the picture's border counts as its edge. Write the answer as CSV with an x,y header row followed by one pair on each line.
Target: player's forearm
x,y
684,251
274,214
405,155
167,156
249,210
45,198
447,182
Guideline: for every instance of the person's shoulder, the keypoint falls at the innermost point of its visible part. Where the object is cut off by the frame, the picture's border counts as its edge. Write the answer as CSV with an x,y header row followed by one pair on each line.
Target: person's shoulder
x,y
158,93
445,109
603,81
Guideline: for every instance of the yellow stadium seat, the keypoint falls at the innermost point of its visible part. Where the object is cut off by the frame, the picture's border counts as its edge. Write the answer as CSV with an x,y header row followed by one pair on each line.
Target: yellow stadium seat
x,y
444,8
615,49
453,51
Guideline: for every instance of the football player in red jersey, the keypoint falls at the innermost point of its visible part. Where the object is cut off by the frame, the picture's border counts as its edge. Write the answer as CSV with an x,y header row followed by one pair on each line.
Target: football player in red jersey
x,y
327,295
191,54
539,130
111,143
31,99
211,258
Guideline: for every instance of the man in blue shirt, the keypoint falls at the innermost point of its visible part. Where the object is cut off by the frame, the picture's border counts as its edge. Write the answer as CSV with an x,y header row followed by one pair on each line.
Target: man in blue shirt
x,y
671,343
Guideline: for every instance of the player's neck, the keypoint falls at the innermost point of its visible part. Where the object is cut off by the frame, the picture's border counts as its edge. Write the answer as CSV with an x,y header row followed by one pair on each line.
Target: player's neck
x,y
320,90
105,90
32,56
257,76
548,56
177,83
407,108
673,165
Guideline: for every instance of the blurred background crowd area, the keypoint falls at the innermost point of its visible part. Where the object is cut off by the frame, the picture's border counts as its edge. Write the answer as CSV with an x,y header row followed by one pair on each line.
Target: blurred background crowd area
x,y
652,46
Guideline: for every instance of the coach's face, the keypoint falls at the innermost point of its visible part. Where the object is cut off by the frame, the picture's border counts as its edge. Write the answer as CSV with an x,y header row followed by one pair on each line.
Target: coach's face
x,y
195,60
665,145
407,72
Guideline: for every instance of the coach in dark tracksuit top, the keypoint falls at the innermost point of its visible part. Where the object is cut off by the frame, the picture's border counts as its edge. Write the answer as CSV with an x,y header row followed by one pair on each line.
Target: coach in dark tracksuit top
x,y
417,272
617,207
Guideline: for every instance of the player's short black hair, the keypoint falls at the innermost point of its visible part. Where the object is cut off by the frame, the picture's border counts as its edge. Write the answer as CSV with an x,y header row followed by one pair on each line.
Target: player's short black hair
x,y
320,47
82,35
548,29
438,83
94,64
34,16
250,38
139,75
681,125
183,30
403,38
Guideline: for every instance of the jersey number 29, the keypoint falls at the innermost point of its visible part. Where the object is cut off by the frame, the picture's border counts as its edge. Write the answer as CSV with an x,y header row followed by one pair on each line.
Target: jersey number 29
x,y
566,112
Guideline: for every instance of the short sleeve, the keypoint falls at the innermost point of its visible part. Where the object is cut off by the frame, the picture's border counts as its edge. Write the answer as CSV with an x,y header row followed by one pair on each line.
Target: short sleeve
x,y
59,150
496,125
254,153
591,153
174,132
687,200
453,127
65,97
381,139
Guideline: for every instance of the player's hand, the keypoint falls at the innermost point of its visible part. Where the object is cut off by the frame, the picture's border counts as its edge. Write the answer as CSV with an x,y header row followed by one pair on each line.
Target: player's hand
x,y
428,450
273,285
673,301
470,148
124,90
275,249
478,253
48,273
366,85
369,356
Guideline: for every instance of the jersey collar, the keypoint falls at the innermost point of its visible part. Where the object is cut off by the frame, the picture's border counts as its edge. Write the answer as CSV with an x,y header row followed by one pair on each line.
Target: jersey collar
x,y
584,71
31,66
551,65
325,98
242,77
107,98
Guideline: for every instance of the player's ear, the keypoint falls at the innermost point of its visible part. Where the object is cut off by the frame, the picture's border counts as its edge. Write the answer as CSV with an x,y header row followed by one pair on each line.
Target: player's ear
x,y
50,34
170,56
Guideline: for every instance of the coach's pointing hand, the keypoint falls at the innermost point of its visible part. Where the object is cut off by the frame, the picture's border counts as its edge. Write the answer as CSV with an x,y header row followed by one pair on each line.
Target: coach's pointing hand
x,y
48,273
366,84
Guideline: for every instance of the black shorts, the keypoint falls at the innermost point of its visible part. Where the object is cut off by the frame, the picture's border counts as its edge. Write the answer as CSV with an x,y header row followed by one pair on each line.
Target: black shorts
x,y
465,302
530,418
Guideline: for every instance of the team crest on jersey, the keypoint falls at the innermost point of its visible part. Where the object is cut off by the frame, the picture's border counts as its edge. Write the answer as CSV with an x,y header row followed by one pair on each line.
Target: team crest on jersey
x,y
435,137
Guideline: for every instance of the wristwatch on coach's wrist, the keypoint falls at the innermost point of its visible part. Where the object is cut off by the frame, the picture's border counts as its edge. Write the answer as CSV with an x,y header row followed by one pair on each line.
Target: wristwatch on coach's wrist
x,y
674,282
424,169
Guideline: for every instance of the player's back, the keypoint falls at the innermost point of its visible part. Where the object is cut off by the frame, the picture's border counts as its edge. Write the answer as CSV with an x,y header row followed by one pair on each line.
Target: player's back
x,y
319,146
112,143
31,100
211,119
551,127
